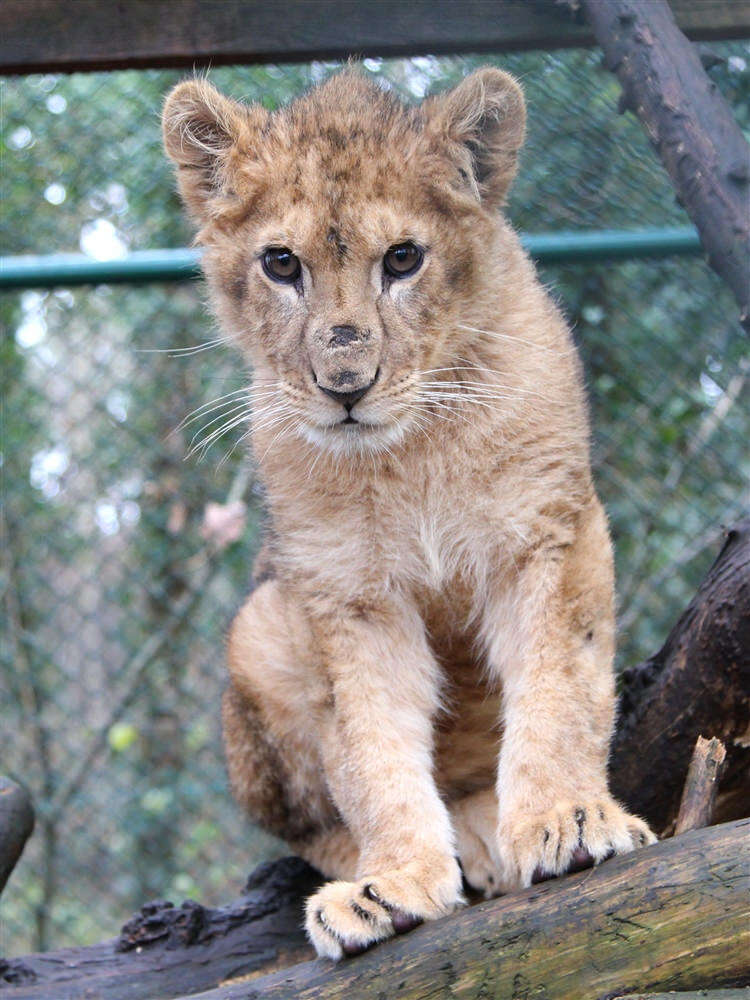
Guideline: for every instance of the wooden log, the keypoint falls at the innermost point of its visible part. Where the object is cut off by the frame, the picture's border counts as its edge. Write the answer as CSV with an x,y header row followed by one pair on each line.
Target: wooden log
x,y
689,123
697,684
16,825
168,950
46,36
699,794
672,916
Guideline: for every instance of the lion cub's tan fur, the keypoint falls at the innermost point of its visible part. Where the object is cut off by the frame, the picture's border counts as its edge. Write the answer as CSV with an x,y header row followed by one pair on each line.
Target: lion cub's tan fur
x,y
424,670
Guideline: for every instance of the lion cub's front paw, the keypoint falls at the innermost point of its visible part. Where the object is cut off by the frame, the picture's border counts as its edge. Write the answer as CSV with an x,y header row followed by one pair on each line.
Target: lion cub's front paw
x,y
345,918
567,838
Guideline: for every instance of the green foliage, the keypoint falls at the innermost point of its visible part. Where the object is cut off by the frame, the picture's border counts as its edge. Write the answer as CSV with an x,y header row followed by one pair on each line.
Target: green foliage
x,y
104,521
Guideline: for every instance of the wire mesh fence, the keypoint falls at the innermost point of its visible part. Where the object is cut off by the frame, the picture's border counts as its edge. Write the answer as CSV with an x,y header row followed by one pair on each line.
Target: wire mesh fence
x,y
123,561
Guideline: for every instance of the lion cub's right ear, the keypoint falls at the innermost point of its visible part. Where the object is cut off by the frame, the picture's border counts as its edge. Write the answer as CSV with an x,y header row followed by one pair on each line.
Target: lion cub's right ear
x,y
485,118
205,133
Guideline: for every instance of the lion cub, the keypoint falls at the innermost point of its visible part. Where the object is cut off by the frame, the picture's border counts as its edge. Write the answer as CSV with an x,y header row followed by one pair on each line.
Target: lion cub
x,y
421,681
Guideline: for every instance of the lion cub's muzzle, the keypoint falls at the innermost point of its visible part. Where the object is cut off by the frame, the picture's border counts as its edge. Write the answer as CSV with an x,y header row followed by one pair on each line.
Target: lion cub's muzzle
x,y
345,363
348,397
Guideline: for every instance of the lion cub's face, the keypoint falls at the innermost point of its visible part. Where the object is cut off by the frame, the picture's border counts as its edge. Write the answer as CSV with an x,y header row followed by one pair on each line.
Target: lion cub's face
x,y
347,238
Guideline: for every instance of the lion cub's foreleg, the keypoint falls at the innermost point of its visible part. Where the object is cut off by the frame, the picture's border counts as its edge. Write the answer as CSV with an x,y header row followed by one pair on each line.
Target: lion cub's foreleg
x,y
552,645
342,710
377,752
474,819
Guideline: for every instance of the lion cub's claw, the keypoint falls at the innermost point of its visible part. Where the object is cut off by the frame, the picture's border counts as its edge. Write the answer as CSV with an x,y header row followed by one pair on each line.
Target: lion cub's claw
x,y
347,918
568,838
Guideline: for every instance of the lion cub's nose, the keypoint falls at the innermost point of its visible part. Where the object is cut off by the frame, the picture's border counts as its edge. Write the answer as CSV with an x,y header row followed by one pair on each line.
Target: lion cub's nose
x,y
342,336
347,397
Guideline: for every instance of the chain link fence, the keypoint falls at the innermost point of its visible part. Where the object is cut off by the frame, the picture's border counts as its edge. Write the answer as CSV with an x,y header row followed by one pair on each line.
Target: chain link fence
x,y
123,561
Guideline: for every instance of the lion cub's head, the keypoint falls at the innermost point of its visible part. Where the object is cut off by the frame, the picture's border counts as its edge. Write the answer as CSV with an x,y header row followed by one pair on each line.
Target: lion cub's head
x,y
347,238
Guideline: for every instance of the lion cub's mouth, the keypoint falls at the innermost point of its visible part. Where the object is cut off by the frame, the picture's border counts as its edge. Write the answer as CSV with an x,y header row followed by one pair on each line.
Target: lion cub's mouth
x,y
350,421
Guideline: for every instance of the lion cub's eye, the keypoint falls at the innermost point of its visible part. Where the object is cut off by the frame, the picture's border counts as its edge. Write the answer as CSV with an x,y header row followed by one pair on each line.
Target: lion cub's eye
x,y
281,265
402,260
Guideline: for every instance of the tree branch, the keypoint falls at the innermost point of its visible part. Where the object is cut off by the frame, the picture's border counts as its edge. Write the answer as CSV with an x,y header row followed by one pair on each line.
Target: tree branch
x,y
688,122
167,950
699,794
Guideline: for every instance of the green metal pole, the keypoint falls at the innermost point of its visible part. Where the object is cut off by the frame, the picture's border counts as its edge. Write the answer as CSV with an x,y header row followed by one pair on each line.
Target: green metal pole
x,y
142,266
611,244
67,269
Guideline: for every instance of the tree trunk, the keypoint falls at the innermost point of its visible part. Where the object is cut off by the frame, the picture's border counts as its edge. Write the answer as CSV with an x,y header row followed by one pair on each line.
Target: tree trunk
x,y
689,123
698,684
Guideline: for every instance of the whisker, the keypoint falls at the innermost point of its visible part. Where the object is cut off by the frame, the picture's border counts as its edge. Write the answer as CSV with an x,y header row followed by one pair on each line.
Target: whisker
x,y
237,443
181,352
266,413
427,409
231,451
419,422
269,419
476,368
471,385
276,437
428,403
215,404
229,425
222,416
467,399
469,393
513,338
207,408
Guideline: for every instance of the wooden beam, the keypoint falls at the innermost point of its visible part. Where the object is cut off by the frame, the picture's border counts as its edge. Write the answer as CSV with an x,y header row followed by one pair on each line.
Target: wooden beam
x,y
702,782
70,35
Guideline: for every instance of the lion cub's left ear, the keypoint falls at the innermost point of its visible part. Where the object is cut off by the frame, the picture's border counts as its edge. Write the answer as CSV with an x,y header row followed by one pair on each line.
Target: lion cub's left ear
x,y
484,120
205,133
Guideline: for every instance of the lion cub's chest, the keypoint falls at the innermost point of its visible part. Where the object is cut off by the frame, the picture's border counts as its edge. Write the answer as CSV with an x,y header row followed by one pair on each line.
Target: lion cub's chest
x,y
438,540
430,545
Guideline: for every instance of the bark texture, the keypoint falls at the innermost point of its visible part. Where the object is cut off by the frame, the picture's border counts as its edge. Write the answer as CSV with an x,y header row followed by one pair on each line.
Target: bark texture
x,y
688,122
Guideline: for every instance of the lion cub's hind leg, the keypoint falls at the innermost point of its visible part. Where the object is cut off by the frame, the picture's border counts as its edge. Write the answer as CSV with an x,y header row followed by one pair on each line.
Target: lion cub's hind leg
x,y
269,715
